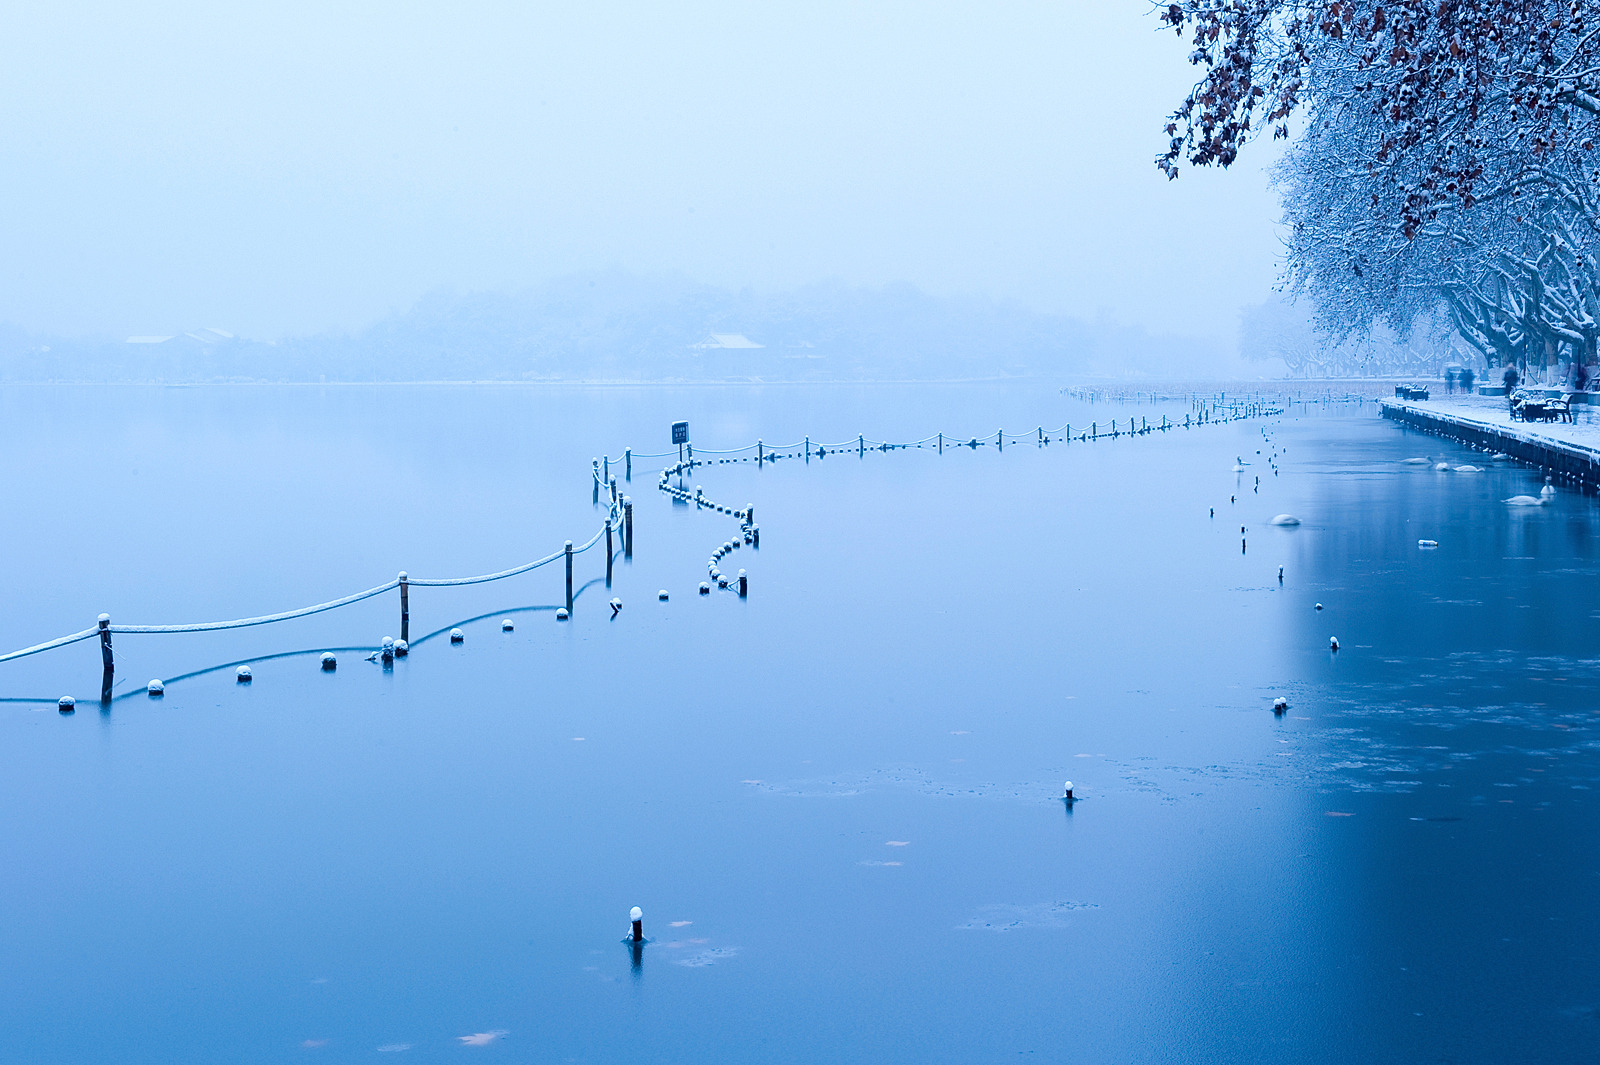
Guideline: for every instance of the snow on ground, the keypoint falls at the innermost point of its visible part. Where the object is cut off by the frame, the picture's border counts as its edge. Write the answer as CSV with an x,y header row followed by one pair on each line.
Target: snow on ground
x,y
1583,432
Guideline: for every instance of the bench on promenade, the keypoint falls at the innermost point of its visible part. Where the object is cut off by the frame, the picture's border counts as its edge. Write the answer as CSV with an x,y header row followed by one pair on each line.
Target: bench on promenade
x,y
1534,407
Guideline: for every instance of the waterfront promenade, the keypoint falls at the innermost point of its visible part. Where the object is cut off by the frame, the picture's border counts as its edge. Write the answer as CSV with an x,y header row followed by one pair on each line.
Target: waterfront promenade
x,y
1569,450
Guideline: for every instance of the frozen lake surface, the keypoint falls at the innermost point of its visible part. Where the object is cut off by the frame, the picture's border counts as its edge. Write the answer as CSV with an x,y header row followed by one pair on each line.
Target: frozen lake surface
x,y
836,801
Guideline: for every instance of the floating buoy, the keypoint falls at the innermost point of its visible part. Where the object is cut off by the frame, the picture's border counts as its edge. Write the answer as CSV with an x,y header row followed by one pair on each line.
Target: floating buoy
x,y
66,704
1333,643
387,650
1285,519
401,648
662,595
616,607
506,625
242,675
1066,794
330,661
705,589
1427,543
456,636
155,688
1319,606
561,613
1279,705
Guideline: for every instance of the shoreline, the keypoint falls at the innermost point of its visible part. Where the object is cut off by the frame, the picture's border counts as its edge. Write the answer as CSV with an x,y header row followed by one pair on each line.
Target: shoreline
x,y
1568,451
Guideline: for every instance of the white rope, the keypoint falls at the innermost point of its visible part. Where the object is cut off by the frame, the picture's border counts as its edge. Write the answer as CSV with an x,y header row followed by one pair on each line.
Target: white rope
x,y
50,645
288,615
450,582
266,619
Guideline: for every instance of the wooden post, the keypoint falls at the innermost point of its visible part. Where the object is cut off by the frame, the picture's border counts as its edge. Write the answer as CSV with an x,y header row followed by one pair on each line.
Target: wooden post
x,y
1094,430
941,443
749,515
107,674
861,445
569,578
627,527
105,641
627,456
608,550
808,451
760,452
1041,434
613,491
405,606
691,456
607,475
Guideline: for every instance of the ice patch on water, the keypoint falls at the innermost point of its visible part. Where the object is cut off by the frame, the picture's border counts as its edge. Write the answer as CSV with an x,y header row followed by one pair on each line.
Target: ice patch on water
x,y
1006,917
707,957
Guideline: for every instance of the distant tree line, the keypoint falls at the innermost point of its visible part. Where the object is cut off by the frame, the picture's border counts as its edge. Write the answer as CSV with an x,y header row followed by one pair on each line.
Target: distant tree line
x,y
616,326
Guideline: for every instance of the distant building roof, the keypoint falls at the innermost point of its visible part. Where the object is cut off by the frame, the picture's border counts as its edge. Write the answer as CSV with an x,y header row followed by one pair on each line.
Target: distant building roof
x,y
208,335
727,340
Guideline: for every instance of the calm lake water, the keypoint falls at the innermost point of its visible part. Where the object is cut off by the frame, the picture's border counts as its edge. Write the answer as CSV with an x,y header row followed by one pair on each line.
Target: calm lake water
x,y
836,801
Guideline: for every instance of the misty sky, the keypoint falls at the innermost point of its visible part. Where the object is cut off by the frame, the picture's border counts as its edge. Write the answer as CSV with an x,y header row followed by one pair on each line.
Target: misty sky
x,y
292,167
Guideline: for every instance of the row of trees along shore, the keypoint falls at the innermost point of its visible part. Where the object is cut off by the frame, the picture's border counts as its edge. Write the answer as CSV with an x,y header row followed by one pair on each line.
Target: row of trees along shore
x,y
1443,169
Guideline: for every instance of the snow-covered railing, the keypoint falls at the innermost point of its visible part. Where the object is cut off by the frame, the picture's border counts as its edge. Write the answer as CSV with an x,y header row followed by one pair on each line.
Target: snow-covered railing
x,y
763,452
750,533
619,517
619,507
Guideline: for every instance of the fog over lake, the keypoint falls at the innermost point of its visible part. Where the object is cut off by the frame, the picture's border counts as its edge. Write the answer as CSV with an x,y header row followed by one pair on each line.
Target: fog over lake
x,y
627,533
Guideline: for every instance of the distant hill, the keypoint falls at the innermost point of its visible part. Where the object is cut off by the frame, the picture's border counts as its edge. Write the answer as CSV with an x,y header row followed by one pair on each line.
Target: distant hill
x,y
616,326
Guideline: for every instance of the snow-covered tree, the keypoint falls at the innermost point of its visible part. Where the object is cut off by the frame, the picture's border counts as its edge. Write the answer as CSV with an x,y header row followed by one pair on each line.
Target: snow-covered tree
x,y
1446,157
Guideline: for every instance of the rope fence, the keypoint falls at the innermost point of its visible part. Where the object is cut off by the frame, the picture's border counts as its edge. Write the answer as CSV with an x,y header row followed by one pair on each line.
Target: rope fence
x,y
619,507
750,533
619,517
